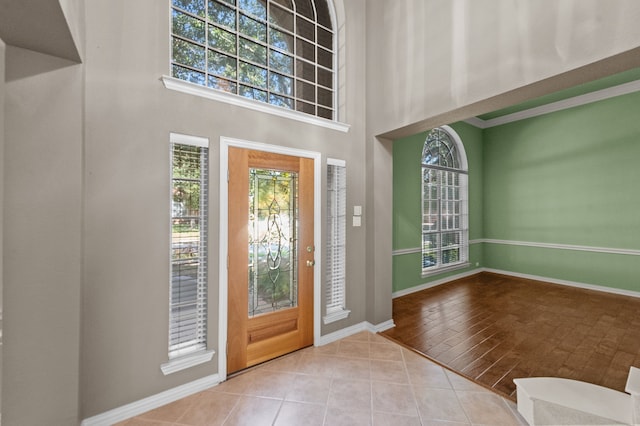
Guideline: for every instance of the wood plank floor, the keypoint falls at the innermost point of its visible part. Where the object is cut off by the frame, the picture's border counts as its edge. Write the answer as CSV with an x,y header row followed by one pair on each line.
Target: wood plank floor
x,y
493,328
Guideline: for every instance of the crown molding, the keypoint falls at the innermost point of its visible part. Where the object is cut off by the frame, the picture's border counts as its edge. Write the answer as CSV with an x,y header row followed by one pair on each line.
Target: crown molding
x,y
587,98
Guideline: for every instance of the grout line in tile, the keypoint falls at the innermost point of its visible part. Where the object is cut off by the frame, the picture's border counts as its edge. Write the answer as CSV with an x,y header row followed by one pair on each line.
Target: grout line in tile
x,y
333,376
464,410
275,419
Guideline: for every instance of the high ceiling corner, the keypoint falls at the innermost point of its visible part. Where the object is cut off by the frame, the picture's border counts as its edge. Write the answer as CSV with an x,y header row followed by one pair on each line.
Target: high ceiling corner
x,y
38,25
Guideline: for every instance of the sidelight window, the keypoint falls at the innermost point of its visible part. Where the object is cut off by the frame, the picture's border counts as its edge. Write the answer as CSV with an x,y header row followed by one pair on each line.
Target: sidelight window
x,y
336,241
188,259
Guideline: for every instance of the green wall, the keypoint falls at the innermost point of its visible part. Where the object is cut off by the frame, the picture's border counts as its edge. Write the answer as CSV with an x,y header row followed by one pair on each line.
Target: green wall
x,y
568,178
407,154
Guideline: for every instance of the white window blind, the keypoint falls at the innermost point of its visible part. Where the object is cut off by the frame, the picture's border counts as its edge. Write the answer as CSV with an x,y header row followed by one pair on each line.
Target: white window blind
x,y
189,260
336,240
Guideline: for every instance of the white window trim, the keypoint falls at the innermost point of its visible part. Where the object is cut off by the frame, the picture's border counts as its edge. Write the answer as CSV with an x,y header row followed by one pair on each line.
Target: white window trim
x,y
336,316
336,162
179,138
447,268
336,313
187,361
183,86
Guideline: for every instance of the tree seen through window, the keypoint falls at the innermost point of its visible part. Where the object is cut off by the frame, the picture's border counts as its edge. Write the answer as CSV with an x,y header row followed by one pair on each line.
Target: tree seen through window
x,y
279,52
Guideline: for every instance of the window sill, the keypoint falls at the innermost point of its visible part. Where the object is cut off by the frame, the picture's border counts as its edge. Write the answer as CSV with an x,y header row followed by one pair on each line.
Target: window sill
x,y
336,316
187,361
446,269
218,95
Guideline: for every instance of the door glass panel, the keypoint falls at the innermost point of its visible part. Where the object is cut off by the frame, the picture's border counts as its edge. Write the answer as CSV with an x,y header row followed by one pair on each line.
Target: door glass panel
x,y
273,227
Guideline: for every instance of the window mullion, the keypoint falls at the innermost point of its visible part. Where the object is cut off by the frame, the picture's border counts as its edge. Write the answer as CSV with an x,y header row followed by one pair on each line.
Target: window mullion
x,y
440,174
206,43
237,55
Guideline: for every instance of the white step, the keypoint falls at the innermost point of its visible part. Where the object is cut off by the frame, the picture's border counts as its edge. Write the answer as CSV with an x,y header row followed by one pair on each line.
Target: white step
x,y
633,387
553,401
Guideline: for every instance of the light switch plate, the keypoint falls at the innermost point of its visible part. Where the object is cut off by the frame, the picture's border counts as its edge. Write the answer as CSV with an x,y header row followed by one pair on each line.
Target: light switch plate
x,y
357,210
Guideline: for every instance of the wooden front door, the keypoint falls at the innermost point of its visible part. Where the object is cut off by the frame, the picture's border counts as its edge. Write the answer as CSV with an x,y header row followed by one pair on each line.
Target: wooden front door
x,y
271,256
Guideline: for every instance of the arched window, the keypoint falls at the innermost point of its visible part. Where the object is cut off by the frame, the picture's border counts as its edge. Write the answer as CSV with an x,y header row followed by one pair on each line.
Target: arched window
x,y
445,229
280,52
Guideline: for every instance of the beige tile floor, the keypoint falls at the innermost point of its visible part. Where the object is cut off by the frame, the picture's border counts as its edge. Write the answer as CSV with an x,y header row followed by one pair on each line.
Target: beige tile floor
x,y
363,379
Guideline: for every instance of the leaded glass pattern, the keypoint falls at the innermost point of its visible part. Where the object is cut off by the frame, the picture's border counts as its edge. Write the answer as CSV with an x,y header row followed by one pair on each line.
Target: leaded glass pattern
x,y
280,52
439,150
444,203
273,228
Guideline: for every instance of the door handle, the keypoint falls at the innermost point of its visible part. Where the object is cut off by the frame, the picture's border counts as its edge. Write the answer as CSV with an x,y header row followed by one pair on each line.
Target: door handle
x,y
310,263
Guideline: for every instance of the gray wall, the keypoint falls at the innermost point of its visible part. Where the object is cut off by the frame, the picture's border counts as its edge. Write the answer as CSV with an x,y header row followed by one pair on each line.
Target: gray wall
x,y
42,239
2,90
433,57
2,54
128,117
73,11
45,26
86,170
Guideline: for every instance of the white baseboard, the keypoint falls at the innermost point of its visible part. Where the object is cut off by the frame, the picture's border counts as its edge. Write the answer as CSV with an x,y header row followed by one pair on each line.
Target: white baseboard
x,y
435,283
379,328
354,329
135,408
585,286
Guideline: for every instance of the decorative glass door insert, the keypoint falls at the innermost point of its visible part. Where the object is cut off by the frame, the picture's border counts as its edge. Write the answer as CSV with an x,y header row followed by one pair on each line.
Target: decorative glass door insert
x,y
273,228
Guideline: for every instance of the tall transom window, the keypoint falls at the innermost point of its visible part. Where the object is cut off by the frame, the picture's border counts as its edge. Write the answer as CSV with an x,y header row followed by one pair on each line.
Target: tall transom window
x,y
445,231
280,52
